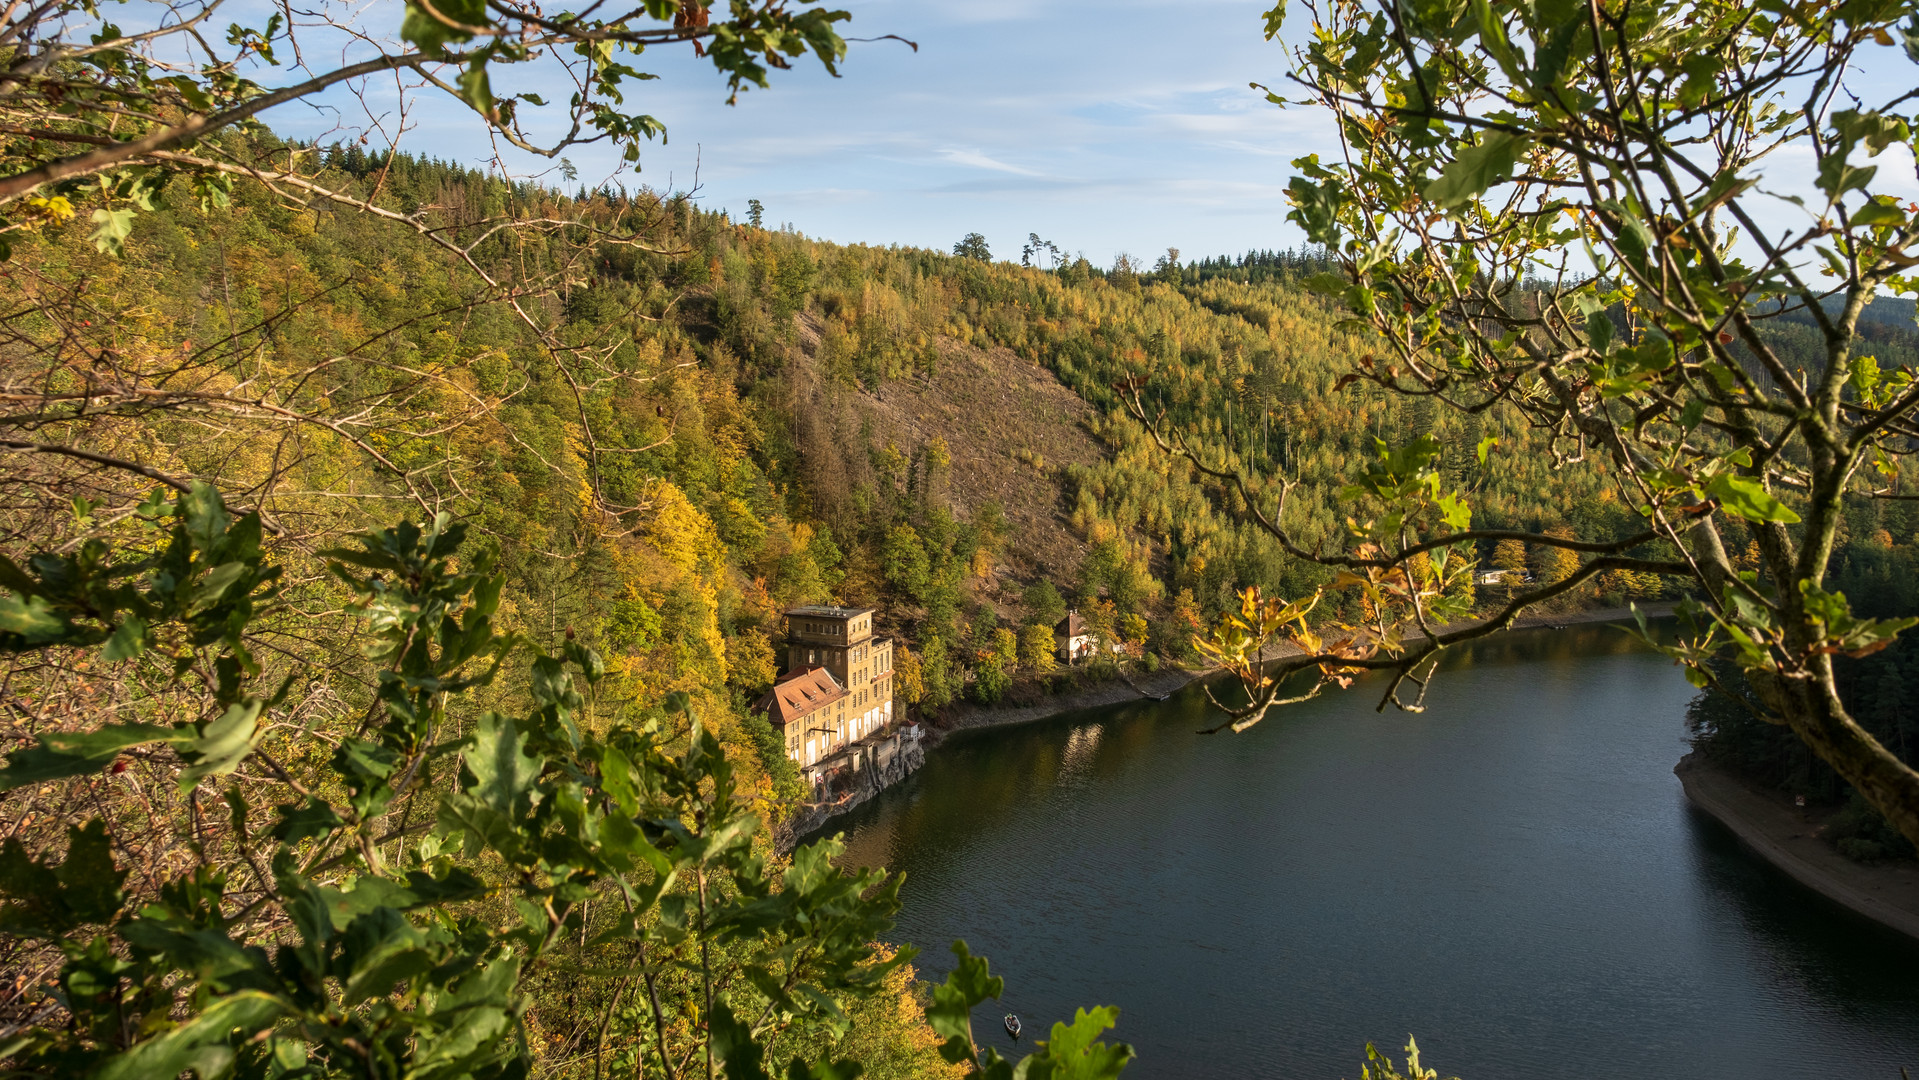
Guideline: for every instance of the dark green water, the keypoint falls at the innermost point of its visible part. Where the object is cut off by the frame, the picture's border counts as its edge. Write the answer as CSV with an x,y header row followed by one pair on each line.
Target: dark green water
x,y
1514,876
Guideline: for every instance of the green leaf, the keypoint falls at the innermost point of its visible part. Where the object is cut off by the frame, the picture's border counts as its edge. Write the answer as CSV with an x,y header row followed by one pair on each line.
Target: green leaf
x,y
1327,283
1072,1053
51,901
129,640
465,815
32,618
499,763
824,1070
201,1043
1693,413
733,1042
302,821
226,741
1908,36
432,34
1748,499
616,777
1880,210
1477,168
1876,130
111,229
1316,208
475,87
1836,177
16,580
90,882
205,513
61,754
213,588
1275,18
951,1014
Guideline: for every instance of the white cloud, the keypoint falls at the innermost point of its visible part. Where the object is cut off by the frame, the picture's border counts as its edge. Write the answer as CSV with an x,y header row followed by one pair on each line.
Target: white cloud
x,y
980,161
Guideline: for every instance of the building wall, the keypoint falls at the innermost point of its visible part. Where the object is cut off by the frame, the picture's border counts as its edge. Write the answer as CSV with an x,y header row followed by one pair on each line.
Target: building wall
x,y
862,665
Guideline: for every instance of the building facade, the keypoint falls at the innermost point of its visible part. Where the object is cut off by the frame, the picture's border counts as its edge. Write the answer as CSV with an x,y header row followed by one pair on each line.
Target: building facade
x,y
1071,639
806,706
831,645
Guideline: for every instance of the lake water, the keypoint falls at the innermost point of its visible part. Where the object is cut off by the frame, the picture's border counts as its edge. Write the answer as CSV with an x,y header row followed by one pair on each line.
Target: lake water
x,y
1514,876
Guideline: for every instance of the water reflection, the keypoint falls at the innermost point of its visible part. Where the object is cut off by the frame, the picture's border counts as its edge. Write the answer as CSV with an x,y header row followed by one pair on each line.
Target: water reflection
x,y
1514,875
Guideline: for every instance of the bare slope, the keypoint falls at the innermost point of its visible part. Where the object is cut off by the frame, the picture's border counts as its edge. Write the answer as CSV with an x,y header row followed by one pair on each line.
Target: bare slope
x,y
1009,426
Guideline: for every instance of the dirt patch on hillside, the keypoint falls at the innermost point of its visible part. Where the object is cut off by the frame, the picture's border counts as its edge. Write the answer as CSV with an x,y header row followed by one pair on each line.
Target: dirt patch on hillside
x,y
993,409
1010,428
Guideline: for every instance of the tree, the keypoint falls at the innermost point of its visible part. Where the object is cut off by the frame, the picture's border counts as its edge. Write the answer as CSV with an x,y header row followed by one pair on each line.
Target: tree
x,y
1006,651
973,246
1182,623
905,563
1102,626
990,682
1044,605
107,117
104,126
354,913
1035,247
1483,149
941,678
908,680
1552,565
1510,555
755,213
1038,650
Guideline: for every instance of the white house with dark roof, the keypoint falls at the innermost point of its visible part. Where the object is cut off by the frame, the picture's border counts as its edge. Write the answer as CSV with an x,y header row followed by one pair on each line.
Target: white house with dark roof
x,y
1072,639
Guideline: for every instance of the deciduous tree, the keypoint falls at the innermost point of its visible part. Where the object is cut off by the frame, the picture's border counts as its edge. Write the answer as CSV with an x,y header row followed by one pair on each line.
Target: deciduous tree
x,y
1560,210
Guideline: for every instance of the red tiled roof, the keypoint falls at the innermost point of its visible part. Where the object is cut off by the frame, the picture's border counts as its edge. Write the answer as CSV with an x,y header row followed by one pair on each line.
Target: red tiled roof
x,y
797,693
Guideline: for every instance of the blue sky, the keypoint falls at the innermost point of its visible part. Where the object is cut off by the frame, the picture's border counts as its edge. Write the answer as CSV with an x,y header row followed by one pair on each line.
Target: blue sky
x,y
1102,126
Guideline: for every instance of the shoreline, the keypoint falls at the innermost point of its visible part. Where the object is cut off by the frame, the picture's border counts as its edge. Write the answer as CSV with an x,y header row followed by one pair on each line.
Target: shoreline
x,y
1781,835
1170,679
1120,691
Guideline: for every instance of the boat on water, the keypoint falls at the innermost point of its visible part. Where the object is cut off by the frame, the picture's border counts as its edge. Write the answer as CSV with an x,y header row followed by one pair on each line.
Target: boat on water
x,y
1012,1026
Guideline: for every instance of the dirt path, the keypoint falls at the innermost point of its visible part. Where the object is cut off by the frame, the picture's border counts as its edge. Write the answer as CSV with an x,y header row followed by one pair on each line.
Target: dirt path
x,y
1781,834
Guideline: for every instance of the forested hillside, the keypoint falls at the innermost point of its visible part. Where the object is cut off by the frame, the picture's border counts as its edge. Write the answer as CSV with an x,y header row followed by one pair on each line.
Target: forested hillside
x,y
668,427
753,419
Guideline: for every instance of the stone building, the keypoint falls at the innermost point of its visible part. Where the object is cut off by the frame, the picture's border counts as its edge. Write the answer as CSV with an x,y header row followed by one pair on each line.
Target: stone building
x,y
838,686
805,706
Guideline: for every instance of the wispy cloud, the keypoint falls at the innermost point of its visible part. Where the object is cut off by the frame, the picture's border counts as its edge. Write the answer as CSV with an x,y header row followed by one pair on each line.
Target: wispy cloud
x,y
1099,123
981,161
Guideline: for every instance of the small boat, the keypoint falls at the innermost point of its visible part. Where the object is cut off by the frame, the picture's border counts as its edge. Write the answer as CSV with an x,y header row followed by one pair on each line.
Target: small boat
x,y
1012,1026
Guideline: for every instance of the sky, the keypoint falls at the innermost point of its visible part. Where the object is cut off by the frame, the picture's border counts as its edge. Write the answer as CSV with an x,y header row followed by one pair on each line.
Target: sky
x,y
1102,125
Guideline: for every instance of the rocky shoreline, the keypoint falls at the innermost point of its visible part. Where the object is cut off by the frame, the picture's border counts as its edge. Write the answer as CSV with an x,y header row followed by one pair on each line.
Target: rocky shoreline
x,y
881,771
1785,836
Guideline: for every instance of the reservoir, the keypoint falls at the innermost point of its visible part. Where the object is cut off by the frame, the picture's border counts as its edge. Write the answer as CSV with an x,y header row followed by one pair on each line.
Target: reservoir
x,y
1513,876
